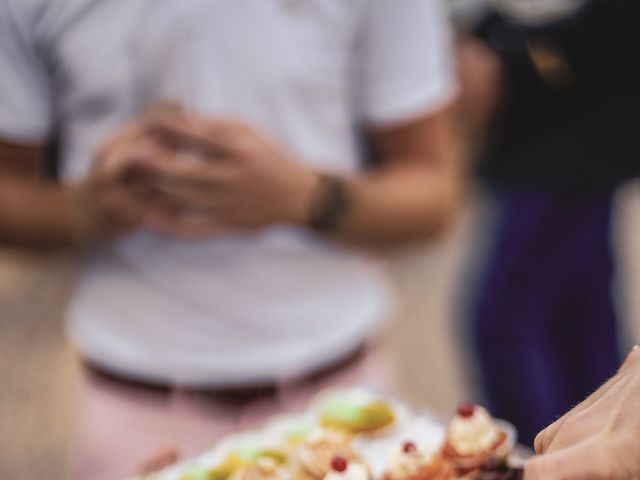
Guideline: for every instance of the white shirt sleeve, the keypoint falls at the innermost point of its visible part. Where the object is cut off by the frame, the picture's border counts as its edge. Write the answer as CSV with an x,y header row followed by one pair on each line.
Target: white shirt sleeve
x,y
25,103
404,61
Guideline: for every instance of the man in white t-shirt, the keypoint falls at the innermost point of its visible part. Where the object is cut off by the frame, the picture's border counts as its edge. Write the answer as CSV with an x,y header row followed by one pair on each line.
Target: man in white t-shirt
x,y
224,247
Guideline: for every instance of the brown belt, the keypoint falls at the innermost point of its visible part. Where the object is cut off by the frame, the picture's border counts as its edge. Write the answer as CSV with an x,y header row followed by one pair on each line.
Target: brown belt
x,y
229,395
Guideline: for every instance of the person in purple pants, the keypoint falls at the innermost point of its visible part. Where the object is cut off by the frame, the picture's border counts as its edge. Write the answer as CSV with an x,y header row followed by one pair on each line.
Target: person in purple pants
x,y
564,136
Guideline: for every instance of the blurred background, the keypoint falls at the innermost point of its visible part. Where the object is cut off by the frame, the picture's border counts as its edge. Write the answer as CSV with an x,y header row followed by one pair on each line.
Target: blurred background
x,y
547,246
38,369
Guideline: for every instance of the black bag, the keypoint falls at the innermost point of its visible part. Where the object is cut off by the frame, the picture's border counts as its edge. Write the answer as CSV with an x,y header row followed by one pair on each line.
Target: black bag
x,y
569,115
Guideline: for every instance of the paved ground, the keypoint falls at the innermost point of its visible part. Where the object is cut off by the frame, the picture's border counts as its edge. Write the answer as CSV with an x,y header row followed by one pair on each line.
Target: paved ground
x,y
36,367
38,370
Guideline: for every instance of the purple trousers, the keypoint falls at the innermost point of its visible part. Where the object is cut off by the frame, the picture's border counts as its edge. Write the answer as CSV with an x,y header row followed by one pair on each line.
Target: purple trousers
x,y
543,321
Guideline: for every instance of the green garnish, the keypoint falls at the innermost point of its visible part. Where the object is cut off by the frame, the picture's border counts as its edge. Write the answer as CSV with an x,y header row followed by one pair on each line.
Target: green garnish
x,y
343,415
298,434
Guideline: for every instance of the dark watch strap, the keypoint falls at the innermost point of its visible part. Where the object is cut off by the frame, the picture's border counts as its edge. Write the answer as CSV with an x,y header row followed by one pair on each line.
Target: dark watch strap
x,y
330,205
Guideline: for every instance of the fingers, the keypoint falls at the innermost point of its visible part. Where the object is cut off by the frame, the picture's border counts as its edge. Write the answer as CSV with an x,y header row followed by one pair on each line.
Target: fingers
x,y
173,170
584,420
165,137
119,163
632,362
177,131
185,171
211,137
185,184
590,415
597,439
587,460
125,135
541,441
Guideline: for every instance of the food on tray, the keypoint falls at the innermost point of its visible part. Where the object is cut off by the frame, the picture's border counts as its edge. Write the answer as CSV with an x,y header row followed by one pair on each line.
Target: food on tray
x,y
411,462
264,468
355,417
241,457
288,430
237,461
313,458
360,435
343,469
222,472
296,435
204,474
498,469
473,437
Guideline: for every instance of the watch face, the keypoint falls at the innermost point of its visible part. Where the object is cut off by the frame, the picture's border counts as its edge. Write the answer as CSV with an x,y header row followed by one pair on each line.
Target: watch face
x,y
532,12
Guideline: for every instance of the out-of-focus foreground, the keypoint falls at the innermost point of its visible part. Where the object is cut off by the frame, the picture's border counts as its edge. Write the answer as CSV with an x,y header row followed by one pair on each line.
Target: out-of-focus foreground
x,y
38,369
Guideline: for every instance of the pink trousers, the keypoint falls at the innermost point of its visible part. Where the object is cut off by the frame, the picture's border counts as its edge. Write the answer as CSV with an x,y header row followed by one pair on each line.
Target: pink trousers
x,y
121,426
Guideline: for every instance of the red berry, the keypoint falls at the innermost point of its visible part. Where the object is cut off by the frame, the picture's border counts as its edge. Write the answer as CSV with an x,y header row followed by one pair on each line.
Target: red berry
x,y
409,447
339,464
466,410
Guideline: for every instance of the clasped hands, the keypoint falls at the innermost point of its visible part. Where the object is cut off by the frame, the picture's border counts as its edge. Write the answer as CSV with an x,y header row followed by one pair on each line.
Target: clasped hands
x,y
191,177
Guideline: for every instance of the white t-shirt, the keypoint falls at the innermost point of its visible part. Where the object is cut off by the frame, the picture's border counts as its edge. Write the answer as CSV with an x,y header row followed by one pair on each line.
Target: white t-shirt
x,y
232,309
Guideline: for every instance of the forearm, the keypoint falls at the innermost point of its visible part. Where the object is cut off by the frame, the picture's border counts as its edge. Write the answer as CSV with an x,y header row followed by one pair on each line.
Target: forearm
x,y
35,214
400,206
415,192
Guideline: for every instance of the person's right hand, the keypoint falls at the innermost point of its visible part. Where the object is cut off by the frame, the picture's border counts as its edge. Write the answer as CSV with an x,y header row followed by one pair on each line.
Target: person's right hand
x,y
598,439
111,200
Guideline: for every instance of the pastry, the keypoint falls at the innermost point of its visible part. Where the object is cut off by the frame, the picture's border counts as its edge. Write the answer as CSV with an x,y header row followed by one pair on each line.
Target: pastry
x,y
313,458
356,417
236,462
409,462
343,469
264,468
472,438
497,469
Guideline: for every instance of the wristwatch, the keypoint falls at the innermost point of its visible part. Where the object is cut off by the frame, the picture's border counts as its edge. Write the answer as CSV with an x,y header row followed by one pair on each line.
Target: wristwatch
x,y
330,204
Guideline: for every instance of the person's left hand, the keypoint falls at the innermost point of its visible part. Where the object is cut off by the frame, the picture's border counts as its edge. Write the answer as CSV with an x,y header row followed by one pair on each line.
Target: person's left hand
x,y
223,176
